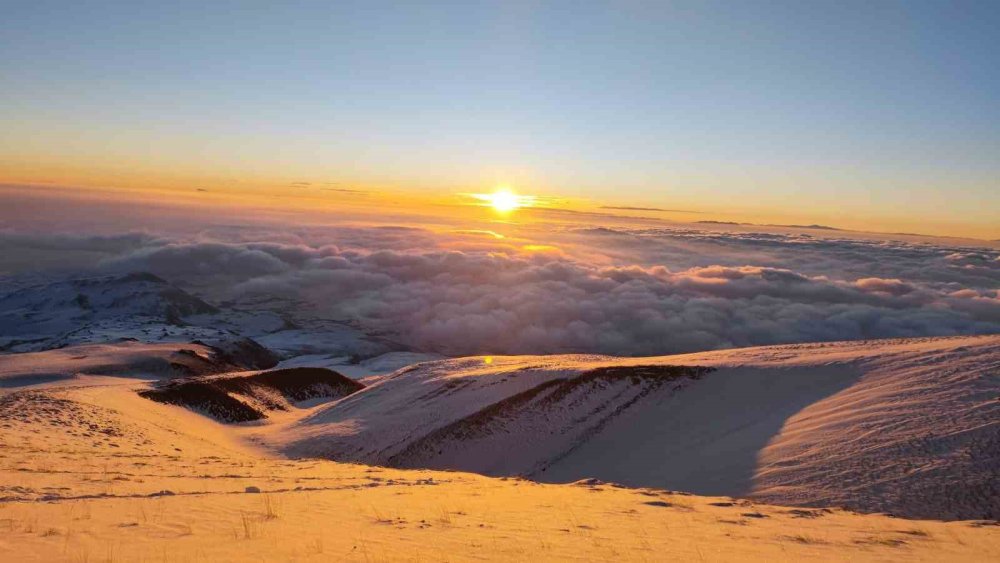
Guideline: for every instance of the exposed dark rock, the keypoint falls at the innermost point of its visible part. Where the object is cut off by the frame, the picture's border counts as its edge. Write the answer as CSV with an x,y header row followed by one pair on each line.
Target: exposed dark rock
x,y
244,398
245,353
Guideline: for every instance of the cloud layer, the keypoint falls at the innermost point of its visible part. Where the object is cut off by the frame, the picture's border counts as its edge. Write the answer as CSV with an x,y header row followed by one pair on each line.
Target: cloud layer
x,y
465,302
621,292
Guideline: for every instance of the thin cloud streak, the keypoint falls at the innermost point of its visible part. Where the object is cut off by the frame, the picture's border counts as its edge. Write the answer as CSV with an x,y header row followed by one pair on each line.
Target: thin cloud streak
x,y
630,208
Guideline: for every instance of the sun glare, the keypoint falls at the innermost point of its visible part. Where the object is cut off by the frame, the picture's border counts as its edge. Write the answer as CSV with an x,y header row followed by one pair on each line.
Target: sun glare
x,y
504,200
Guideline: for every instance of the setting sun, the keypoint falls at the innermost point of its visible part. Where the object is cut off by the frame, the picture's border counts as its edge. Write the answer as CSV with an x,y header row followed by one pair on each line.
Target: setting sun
x,y
504,200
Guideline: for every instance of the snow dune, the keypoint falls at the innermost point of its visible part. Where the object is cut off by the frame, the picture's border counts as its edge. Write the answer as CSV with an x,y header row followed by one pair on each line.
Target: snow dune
x,y
909,426
133,359
90,470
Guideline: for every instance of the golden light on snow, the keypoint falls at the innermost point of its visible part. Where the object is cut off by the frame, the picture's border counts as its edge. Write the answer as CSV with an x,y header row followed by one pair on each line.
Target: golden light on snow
x,y
505,200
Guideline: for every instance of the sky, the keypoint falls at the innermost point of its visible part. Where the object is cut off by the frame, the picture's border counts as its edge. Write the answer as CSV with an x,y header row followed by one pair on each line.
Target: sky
x,y
879,116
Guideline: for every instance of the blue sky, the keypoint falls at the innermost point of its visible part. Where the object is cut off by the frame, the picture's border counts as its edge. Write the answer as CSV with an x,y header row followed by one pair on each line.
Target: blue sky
x,y
877,108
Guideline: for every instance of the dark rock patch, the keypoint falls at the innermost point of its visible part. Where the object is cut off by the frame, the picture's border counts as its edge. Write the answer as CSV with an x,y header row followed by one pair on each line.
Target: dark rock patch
x,y
245,398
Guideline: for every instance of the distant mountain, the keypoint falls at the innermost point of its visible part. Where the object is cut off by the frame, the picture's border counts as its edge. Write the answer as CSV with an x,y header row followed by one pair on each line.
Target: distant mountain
x,y
61,312
816,227
819,227
41,314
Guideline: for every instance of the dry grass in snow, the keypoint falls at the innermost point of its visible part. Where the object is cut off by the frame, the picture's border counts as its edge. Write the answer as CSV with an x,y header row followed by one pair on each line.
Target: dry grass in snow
x,y
91,472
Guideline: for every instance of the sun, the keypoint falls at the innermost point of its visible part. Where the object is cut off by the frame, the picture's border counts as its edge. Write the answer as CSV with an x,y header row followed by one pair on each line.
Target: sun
x,y
504,200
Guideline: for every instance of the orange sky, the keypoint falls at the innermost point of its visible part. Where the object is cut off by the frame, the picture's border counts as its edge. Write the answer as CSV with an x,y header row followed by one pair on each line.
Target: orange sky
x,y
318,203
148,183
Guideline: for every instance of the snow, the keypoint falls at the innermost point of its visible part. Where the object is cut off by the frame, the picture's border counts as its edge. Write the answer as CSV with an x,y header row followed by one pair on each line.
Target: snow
x,y
368,370
131,359
90,471
94,473
320,337
910,427
51,313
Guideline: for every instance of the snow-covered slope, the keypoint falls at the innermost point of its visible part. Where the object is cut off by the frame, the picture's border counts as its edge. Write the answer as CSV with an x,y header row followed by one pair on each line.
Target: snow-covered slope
x,y
90,470
96,473
56,313
904,426
40,313
367,370
128,359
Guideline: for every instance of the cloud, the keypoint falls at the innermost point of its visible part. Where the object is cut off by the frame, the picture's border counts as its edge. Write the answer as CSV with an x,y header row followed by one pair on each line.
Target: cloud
x,y
836,256
346,191
629,208
328,187
21,252
466,303
879,285
555,289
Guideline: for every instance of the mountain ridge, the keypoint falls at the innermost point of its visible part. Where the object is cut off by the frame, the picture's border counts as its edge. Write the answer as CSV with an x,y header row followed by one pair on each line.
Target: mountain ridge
x,y
809,425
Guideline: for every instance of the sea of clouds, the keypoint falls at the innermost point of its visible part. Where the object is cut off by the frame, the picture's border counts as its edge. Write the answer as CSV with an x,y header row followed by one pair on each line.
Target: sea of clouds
x,y
557,288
